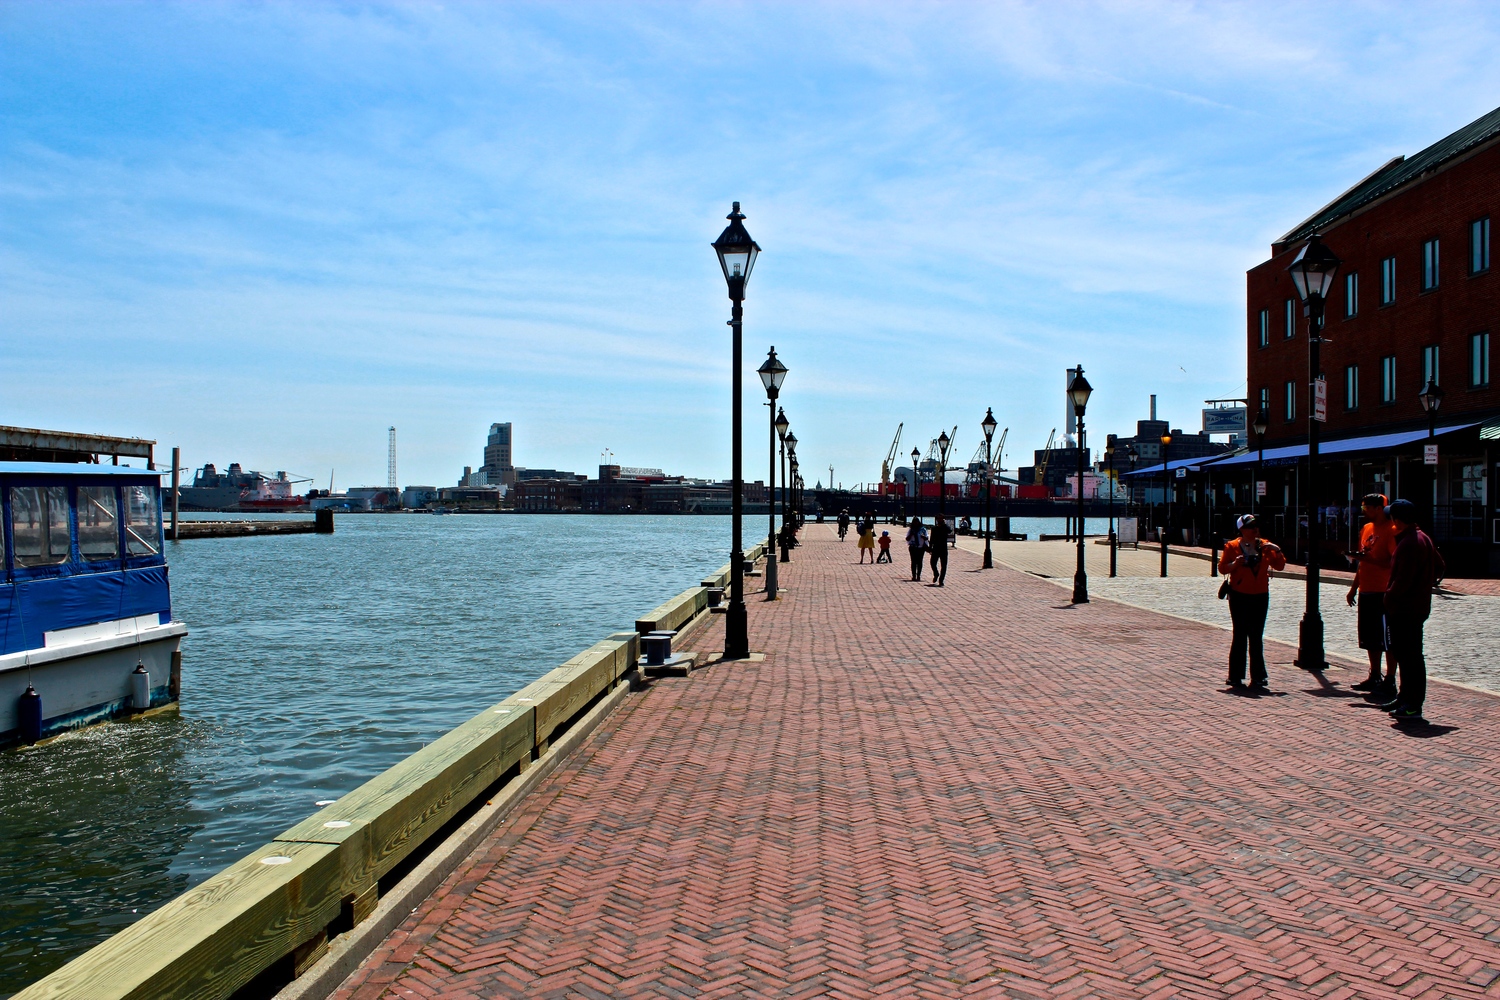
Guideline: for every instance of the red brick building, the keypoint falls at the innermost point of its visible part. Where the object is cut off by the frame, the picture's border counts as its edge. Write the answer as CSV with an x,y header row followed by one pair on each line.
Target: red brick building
x,y
1416,297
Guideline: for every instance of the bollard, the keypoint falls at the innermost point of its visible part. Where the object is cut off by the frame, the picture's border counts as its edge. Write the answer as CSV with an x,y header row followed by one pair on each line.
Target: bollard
x,y
658,647
715,595
29,715
140,688
323,521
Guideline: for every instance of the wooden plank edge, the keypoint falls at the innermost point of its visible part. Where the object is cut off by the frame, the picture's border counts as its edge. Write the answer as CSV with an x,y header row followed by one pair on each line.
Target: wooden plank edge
x,y
348,951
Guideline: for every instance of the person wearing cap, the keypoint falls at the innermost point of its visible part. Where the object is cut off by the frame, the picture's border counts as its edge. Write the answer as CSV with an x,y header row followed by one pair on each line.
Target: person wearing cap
x,y
1416,567
1377,546
1248,562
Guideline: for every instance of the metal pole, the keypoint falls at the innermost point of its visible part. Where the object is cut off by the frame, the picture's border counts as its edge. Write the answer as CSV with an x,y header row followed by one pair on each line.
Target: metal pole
x,y
1166,502
771,506
1080,577
1213,536
989,560
176,485
736,620
1310,655
786,553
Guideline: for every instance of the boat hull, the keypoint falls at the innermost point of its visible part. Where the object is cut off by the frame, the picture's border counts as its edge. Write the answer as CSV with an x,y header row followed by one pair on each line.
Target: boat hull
x,y
87,680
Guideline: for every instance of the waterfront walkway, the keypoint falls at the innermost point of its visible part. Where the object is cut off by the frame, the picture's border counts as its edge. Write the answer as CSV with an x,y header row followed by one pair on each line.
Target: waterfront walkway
x,y
981,791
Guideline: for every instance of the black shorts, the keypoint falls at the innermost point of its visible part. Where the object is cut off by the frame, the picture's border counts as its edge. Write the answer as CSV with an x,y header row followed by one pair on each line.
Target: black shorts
x,y
1372,621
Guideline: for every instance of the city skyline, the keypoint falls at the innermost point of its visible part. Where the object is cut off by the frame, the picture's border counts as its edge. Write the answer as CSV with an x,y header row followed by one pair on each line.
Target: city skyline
x,y
266,234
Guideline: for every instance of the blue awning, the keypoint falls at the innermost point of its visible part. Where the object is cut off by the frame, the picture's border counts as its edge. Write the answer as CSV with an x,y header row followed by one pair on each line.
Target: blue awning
x,y
1191,464
1328,449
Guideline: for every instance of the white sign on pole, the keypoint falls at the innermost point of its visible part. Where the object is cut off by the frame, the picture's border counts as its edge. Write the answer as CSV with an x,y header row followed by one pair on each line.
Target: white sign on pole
x,y
1260,487
1182,473
1429,454
1320,400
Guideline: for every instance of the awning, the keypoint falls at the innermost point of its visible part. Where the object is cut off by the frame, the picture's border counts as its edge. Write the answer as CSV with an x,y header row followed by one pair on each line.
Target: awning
x,y
1191,464
1327,449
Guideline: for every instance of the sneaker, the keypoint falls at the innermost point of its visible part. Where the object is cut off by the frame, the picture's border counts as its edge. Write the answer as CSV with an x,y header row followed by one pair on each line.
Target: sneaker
x,y
1235,685
1382,694
1368,684
1407,714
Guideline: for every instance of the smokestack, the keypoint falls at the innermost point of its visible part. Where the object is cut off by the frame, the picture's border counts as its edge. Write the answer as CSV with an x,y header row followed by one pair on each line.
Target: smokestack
x,y
1153,406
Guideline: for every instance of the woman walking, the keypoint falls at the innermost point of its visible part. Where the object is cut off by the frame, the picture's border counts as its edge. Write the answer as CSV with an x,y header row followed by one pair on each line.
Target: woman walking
x,y
1248,562
916,544
867,541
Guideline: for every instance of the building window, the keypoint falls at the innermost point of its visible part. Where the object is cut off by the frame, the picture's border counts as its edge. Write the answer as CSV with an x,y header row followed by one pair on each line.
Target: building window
x,y
1265,400
1388,379
1388,281
1430,365
1429,265
1291,323
1291,401
1265,328
1479,360
1351,387
1351,294
1479,245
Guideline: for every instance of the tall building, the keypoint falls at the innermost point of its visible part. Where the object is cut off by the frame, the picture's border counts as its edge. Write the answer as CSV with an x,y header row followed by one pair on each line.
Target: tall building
x,y
498,468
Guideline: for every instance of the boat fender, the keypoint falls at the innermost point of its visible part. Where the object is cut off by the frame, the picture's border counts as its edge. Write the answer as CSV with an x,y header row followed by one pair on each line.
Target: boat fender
x,y
29,711
140,688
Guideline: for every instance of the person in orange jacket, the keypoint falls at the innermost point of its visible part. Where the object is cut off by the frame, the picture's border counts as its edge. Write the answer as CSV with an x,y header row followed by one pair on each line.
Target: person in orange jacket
x,y
1248,562
1377,548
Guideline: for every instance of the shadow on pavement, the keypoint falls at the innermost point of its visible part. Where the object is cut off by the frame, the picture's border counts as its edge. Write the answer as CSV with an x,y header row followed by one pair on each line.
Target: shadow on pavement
x,y
1422,730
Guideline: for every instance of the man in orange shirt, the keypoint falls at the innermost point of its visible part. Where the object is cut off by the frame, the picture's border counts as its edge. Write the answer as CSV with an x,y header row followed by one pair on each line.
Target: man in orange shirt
x,y
1377,545
1248,562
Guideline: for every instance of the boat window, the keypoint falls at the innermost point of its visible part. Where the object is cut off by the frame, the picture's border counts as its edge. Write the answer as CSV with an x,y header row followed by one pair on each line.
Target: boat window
x,y
98,523
39,525
142,522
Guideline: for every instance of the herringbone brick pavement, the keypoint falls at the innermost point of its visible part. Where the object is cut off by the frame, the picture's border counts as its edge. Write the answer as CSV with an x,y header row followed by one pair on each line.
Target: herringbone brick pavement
x,y
980,791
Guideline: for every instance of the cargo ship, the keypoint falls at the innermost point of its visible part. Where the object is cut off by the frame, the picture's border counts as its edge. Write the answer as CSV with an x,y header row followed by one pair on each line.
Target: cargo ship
x,y
238,489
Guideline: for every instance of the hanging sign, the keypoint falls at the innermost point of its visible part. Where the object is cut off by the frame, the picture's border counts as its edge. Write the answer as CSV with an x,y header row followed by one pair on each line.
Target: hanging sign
x,y
1182,472
1320,400
1225,420
1429,454
1260,487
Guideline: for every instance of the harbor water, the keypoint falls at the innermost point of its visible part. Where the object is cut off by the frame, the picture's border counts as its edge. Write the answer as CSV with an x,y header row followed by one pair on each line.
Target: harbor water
x,y
313,663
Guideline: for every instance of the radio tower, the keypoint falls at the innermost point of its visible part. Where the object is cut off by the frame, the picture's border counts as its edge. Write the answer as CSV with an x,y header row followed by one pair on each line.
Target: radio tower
x,y
390,468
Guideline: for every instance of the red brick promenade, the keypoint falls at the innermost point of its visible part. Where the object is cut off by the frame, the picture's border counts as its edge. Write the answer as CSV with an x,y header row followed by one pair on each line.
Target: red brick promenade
x,y
979,791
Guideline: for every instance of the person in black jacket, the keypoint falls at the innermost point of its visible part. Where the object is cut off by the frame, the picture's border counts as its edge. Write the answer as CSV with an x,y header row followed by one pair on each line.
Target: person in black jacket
x,y
939,543
1416,567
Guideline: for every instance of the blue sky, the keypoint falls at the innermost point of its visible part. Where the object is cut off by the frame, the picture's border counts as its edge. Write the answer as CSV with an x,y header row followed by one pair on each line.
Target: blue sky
x,y
266,232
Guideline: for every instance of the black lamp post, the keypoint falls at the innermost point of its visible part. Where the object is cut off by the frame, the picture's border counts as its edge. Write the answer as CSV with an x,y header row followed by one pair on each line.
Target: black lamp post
x,y
791,458
1109,459
943,442
988,424
916,478
772,373
782,426
1166,500
737,253
1431,398
1312,273
1079,391
1262,421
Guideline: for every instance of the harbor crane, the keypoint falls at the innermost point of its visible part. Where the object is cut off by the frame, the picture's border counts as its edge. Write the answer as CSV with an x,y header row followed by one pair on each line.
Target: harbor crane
x,y
1038,475
977,477
890,458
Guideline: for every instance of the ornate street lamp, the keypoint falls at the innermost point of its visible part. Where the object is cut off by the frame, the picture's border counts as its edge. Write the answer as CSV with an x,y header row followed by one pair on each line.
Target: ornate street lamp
x,y
782,425
772,373
943,442
1166,499
737,253
1079,391
1431,398
1312,272
916,479
791,457
1109,459
988,425
1262,421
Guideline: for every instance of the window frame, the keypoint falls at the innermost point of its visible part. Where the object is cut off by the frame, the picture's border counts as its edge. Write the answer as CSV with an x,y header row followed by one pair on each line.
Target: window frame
x,y
1479,360
1291,402
1388,380
1265,328
1388,281
1431,265
1351,387
1432,364
1351,295
1479,246
1291,320
96,562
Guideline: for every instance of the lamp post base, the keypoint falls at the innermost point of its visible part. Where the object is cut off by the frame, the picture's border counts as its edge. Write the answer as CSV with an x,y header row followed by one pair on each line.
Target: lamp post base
x,y
771,573
736,632
1310,654
1080,588
989,560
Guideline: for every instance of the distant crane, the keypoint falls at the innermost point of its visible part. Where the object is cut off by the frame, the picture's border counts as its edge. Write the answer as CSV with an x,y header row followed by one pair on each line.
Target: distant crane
x,y
890,457
1038,475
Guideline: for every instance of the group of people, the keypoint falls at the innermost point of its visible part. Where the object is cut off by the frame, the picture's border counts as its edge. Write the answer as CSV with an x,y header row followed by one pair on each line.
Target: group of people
x,y
1396,567
920,543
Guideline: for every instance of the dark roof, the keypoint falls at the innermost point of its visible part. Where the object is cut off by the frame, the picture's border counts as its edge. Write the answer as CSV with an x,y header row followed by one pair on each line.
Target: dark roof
x,y
1399,171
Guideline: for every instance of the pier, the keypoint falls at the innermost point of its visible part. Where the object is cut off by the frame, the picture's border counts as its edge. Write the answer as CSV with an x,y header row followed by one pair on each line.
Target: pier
x,y
908,791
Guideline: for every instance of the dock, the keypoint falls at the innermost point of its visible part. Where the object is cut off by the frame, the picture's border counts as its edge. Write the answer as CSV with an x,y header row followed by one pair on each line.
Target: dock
x,y
321,525
974,790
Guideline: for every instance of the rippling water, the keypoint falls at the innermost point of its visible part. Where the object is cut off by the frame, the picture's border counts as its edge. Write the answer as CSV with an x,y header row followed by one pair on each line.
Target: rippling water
x,y
313,662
